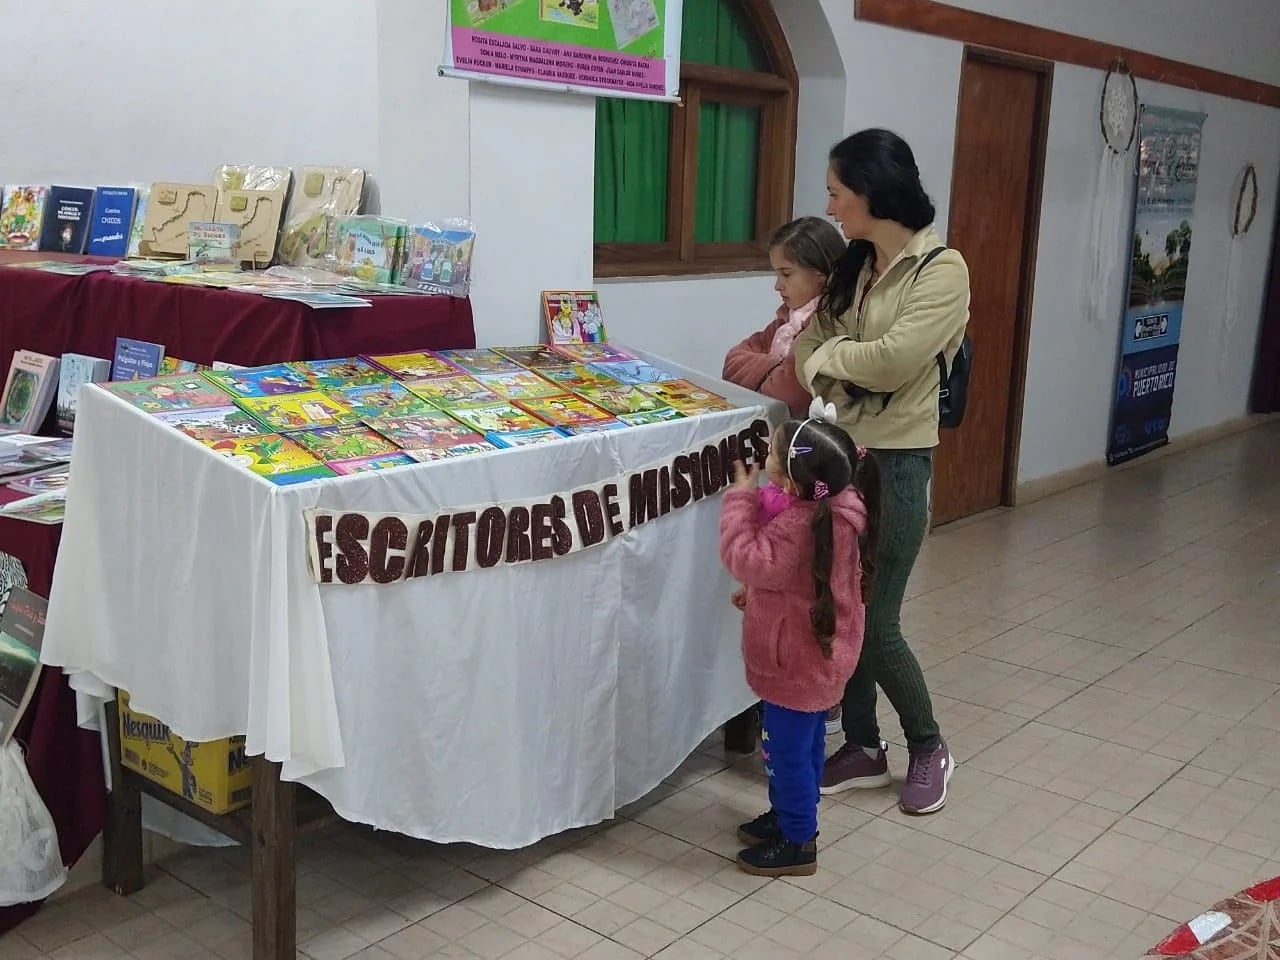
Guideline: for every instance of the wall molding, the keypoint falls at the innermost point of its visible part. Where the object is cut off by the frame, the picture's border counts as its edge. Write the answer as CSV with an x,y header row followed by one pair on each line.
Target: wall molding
x,y
997,33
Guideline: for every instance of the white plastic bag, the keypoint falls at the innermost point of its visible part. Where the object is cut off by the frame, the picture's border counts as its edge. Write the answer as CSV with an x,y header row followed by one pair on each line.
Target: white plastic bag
x,y
30,862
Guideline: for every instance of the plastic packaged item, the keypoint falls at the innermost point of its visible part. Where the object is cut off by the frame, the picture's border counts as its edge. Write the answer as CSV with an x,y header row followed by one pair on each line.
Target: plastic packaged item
x,y
251,176
320,197
368,248
30,862
438,257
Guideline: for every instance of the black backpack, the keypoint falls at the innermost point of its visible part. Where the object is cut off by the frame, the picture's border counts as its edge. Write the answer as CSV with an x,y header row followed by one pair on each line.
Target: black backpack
x,y
953,384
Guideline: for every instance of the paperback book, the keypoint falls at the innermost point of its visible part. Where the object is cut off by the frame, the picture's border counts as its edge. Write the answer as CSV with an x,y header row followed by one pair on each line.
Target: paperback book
x,y
21,215
67,217
212,242
386,399
564,410
21,637
343,372
369,248
111,221
383,461
686,396
299,411
44,508
662,415
479,361
344,443
141,207
273,380
525,438
435,431
496,418
76,370
414,366
136,359
213,423
520,385
177,391
453,391
623,399
272,456
437,258
577,376
573,316
633,371
591,352
600,427
537,357
29,391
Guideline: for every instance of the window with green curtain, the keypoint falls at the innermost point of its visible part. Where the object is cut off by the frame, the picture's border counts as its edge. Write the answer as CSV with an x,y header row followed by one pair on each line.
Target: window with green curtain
x,y
633,139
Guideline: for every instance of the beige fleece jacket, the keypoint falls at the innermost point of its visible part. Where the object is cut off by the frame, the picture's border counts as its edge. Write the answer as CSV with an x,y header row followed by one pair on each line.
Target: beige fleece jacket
x,y
890,347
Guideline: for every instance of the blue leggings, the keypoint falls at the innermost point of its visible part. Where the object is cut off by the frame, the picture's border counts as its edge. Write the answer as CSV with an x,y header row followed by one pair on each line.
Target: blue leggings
x,y
793,748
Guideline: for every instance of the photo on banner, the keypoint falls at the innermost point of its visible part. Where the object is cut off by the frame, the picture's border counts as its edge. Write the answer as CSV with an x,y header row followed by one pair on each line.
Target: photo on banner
x,y
615,48
1160,256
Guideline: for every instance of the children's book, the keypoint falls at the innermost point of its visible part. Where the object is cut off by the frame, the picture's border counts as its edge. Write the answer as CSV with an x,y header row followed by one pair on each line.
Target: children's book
x,y
495,418
67,216
141,206
414,366
300,411
479,361
435,431
383,461
537,357
256,215
453,391
21,636
600,427
177,391
369,248
173,365
686,396
573,316
344,372
622,399
437,258
213,423
663,415
319,299
591,352
76,370
525,438
111,221
564,410
344,443
319,197
520,385
633,371
387,399
44,482
431,454
578,375
213,242
170,210
273,380
47,508
29,391
272,456
136,359
21,215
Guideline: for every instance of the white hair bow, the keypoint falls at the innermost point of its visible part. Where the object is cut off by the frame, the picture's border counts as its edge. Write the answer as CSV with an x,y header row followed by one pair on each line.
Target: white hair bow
x,y
822,412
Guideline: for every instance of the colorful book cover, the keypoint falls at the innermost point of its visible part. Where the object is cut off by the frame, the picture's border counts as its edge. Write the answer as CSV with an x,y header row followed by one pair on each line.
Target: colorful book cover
x,y
300,411
453,391
29,391
479,361
622,399
344,372
600,427
573,316
139,220
633,371
208,240
344,443
414,366
664,415
686,396
577,376
574,13
136,359
525,438
564,410
272,456
367,247
431,454
21,637
21,214
173,365
591,352
383,461
535,357
47,508
387,399
436,431
274,380
67,216
75,371
178,391
213,423
437,258
496,418
111,221
318,299
34,485
520,385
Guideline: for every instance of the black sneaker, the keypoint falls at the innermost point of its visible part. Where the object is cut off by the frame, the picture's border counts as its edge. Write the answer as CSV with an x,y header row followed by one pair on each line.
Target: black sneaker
x,y
780,857
760,830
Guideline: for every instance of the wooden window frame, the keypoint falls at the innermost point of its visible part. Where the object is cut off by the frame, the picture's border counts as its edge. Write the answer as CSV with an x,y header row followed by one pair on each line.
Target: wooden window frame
x,y
776,95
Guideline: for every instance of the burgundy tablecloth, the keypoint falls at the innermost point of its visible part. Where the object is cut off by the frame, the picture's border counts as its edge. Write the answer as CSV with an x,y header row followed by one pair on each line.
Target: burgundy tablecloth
x,y
55,314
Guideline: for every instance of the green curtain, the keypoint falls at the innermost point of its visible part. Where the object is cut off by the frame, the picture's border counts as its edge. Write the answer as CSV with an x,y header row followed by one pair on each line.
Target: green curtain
x,y
633,142
728,151
715,32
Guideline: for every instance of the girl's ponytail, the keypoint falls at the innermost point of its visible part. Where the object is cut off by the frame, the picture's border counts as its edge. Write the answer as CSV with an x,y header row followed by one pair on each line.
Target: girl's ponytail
x,y
823,613
867,482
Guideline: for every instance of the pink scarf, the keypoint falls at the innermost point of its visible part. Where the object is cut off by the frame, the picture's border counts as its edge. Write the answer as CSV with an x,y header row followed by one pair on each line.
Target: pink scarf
x,y
787,332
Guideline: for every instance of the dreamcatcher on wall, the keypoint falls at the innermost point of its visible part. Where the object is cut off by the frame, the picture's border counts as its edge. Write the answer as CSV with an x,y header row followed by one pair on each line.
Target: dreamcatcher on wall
x,y
1118,117
1246,211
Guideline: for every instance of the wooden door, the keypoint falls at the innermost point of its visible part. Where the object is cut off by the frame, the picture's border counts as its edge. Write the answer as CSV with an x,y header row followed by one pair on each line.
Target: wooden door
x,y
995,213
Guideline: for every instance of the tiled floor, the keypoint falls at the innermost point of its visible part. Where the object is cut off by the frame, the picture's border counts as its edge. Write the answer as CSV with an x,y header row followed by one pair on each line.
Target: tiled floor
x,y
1107,667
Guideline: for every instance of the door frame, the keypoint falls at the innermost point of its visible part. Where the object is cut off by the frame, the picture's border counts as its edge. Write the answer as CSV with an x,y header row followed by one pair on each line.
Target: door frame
x,y
1031,248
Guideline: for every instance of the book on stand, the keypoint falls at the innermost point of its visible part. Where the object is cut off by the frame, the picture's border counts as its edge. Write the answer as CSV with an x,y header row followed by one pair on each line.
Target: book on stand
x,y
28,392
111,221
21,636
136,359
77,370
67,215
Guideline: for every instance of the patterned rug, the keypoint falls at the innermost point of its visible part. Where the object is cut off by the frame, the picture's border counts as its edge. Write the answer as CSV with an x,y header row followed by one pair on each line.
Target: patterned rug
x,y
1244,926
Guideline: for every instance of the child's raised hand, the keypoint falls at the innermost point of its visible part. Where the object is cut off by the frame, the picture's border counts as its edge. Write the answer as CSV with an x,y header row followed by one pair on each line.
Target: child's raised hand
x,y
744,477
740,598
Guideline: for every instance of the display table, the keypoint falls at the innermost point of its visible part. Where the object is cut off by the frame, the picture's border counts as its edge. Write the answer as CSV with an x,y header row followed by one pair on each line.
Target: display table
x,y
57,314
496,706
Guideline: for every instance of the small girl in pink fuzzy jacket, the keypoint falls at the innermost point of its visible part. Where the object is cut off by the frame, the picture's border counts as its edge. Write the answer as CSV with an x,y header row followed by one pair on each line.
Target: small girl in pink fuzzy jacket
x,y
803,548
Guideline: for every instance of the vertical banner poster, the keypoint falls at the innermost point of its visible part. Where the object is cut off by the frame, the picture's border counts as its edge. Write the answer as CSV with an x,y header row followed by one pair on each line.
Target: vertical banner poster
x,y
1164,213
613,48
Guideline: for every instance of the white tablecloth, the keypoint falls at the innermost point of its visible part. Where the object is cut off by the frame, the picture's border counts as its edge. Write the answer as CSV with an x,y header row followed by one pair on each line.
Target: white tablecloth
x,y
494,706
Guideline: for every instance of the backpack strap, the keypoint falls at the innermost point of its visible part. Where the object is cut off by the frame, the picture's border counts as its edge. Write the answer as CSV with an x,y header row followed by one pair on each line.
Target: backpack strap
x,y
941,358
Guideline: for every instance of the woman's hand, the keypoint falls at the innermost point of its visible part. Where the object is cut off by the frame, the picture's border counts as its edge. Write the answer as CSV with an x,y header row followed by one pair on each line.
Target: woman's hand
x,y
744,477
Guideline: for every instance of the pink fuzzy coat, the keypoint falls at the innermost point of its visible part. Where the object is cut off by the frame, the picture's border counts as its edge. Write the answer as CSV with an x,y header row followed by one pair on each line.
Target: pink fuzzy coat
x,y
785,665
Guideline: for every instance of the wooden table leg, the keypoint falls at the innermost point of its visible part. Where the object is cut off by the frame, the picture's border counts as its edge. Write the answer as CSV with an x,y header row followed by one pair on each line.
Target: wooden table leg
x,y
742,733
122,836
275,917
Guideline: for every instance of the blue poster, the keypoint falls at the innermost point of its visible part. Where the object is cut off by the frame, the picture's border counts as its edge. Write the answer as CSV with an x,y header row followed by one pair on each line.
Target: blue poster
x,y
1164,214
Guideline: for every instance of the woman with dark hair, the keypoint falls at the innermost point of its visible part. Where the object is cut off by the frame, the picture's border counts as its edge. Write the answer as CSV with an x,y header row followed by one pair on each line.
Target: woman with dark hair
x,y
889,309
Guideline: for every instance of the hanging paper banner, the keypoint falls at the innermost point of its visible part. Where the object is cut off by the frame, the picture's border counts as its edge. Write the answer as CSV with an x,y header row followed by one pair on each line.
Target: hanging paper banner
x,y
1164,213
614,48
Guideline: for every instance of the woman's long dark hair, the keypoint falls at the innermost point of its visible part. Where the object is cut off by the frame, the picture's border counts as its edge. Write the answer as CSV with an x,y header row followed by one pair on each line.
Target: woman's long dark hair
x,y
825,454
878,166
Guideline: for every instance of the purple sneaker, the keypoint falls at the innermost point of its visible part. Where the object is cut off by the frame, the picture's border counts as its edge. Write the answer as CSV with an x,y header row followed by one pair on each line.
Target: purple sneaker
x,y
928,774
854,768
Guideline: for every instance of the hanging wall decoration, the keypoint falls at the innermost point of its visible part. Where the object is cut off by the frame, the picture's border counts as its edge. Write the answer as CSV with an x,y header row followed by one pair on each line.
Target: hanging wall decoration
x,y
1246,211
1118,117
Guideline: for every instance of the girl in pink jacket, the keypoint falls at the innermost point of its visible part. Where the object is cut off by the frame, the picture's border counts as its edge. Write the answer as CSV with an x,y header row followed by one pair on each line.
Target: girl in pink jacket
x,y
803,547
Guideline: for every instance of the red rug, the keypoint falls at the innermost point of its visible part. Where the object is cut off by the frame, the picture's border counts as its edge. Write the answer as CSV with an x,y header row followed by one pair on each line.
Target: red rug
x,y
1244,926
